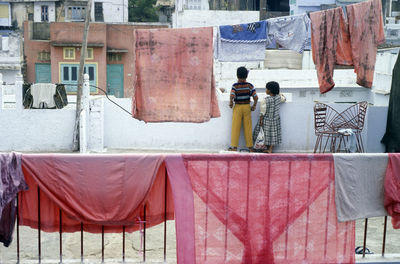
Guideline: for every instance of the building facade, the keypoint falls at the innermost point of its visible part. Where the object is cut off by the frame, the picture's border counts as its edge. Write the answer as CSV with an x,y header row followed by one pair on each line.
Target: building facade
x,y
110,60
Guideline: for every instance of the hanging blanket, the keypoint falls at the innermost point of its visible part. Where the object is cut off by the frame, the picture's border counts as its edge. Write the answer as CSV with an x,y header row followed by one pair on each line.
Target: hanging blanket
x,y
96,190
330,44
11,182
242,42
258,209
359,182
392,189
175,81
290,32
391,139
366,33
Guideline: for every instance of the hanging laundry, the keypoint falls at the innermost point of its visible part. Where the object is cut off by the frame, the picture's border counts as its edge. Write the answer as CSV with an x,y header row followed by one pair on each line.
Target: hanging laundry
x,y
392,189
290,32
43,95
359,182
60,97
366,33
96,190
391,139
329,44
11,182
222,214
242,42
174,76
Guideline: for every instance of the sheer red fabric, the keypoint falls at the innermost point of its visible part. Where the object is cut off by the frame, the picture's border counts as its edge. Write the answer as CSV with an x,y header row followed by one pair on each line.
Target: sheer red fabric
x,y
175,82
262,209
392,189
96,190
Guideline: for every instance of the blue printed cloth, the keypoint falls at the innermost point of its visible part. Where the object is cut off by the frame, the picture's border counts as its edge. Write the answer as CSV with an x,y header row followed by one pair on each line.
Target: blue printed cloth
x,y
244,33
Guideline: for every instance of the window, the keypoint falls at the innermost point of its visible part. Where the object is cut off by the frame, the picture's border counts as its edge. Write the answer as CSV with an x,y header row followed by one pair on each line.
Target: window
x,y
76,13
69,75
89,53
43,56
114,57
4,14
98,12
69,53
45,13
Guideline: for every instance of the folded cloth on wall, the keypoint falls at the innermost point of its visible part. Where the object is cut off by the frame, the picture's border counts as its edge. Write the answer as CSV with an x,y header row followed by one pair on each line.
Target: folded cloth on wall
x,y
359,182
11,182
43,95
174,70
366,33
227,216
242,42
392,189
96,190
391,139
290,32
330,44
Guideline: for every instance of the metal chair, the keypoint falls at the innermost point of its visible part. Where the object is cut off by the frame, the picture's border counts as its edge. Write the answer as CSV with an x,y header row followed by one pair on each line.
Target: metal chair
x,y
327,134
329,125
352,118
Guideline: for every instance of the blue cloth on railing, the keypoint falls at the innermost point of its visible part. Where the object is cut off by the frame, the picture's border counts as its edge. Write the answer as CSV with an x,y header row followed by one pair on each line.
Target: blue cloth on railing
x,y
244,33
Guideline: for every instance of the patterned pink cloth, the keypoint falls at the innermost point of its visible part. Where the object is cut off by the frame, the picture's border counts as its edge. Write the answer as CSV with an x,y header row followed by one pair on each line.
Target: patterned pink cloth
x,y
367,32
392,189
175,81
330,44
337,41
261,209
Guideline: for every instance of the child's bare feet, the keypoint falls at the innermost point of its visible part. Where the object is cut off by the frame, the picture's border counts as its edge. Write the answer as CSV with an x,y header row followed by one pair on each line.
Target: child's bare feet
x,y
232,148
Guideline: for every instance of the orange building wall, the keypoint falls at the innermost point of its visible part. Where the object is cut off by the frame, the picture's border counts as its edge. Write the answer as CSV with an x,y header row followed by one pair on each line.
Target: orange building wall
x,y
112,36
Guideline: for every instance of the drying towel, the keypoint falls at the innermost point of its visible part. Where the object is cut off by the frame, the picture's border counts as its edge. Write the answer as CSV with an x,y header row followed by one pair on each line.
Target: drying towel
x,y
243,208
290,32
391,139
11,182
96,190
43,95
392,189
243,42
330,44
359,185
174,70
366,33
244,33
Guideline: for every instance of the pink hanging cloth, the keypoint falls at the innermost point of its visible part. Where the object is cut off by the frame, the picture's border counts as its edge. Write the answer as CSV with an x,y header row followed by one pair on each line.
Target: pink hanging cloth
x,y
174,76
96,190
392,189
330,44
366,33
258,209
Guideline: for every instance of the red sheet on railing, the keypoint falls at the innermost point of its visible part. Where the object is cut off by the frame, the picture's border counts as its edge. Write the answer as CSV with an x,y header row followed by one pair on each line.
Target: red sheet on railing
x,y
392,189
96,190
259,209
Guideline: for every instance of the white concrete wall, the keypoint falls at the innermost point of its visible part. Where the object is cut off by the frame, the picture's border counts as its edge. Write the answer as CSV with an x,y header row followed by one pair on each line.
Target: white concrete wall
x,y
123,132
37,15
193,18
114,11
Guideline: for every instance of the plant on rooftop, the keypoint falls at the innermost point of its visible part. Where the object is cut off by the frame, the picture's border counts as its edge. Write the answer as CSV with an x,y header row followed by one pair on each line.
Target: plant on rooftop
x,y
142,11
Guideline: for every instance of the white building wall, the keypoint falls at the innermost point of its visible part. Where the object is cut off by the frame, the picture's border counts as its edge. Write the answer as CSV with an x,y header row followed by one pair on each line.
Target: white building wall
x,y
204,18
114,11
37,15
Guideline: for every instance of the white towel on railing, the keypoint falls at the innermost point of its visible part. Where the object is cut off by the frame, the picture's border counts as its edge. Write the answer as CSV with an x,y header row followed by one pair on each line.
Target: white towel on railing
x,y
43,95
350,143
359,185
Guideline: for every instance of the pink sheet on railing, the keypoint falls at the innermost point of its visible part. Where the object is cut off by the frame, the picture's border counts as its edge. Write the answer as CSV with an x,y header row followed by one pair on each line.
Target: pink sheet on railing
x,y
174,70
392,189
96,190
259,209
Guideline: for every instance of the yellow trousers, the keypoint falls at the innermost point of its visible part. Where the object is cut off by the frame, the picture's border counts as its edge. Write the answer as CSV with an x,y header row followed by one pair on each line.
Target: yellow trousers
x,y
241,113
